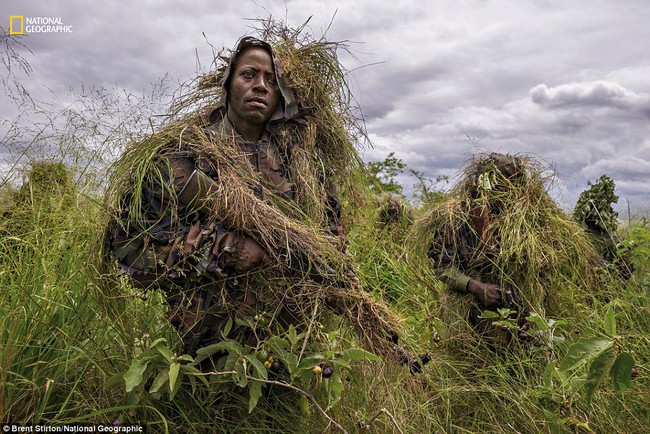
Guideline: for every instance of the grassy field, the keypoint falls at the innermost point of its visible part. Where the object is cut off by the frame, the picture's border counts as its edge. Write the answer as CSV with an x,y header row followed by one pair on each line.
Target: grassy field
x,y
80,345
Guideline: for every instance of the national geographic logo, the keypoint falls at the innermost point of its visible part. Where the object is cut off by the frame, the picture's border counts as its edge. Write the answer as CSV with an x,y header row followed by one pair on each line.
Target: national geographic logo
x,y
21,25
16,25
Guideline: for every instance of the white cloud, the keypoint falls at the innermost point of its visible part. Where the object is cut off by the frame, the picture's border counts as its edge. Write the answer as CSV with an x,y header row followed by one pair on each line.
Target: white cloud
x,y
634,168
597,93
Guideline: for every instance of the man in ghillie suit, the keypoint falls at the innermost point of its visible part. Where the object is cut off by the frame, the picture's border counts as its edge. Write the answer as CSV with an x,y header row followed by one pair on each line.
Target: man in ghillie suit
x,y
234,211
500,241
595,212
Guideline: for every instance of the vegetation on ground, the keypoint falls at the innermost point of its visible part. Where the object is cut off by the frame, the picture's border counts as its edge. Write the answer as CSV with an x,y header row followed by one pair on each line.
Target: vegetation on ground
x,y
80,344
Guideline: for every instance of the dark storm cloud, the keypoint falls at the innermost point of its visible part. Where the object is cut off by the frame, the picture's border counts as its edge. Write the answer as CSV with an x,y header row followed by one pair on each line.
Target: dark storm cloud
x,y
436,81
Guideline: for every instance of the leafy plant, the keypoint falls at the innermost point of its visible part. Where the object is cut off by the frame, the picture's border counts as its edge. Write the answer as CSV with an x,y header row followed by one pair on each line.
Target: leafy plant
x,y
384,174
156,370
590,360
594,206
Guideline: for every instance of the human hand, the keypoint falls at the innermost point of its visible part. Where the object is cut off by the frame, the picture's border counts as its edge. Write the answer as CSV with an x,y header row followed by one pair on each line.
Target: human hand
x,y
488,294
415,364
251,255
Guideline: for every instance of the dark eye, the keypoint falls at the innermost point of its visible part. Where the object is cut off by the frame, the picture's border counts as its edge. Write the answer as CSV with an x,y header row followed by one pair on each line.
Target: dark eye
x,y
247,74
270,79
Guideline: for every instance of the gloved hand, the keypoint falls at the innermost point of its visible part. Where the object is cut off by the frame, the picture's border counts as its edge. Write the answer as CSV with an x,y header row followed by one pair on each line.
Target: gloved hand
x,y
488,294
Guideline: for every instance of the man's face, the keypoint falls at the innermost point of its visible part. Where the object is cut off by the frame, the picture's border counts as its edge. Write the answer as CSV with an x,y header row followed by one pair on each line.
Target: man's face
x,y
253,94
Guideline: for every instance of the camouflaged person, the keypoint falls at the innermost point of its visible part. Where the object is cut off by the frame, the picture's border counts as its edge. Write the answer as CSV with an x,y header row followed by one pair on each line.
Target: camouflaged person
x,y
594,211
177,247
502,244
453,254
463,251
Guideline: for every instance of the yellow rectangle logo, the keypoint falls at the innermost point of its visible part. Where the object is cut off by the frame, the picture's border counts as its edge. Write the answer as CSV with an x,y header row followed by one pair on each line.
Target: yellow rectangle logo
x,y
21,25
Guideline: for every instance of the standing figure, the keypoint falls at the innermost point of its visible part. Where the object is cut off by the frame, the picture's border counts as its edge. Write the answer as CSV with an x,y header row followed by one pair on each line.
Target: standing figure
x,y
234,212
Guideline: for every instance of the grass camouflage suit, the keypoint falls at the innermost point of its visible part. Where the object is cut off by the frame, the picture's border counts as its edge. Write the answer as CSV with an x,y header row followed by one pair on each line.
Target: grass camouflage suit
x,y
177,247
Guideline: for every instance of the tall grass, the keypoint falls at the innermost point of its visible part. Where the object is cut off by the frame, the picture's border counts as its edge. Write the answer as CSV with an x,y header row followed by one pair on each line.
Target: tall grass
x,y
69,331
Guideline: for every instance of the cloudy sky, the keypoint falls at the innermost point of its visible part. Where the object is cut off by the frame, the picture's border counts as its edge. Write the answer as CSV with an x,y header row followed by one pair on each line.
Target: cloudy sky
x,y
568,81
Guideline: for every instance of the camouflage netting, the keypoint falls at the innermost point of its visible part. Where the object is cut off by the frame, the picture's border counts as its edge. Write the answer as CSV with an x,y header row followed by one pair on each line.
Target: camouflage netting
x,y
529,243
311,269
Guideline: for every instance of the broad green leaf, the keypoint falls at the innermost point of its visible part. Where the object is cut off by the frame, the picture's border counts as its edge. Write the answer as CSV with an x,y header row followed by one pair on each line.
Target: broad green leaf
x,y
309,362
549,416
277,347
175,389
561,376
192,370
173,375
489,314
277,342
336,388
538,321
576,383
551,420
133,376
229,345
511,324
547,377
557,323
505,312
255,392
185,358
621,372
257,365
583,352
159,381
306,376
291,361
292,335
240,376
132,398
597,371
559,340
158,341
231,360
227,328
166,352
192,379
147,355
340,362
610,322
358,354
